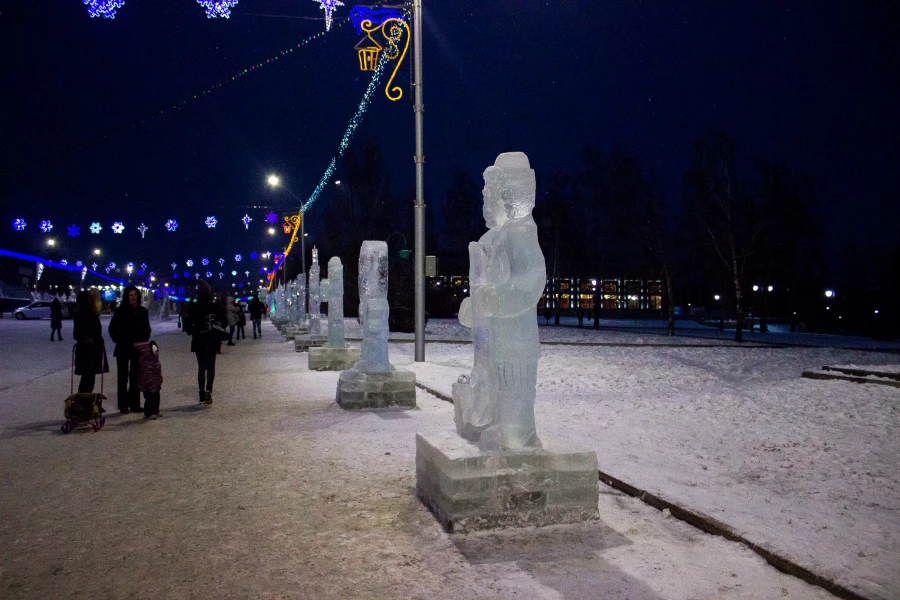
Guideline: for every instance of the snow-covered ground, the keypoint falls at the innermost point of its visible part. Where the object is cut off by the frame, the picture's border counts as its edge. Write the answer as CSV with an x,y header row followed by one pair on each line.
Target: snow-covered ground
x,y
274,491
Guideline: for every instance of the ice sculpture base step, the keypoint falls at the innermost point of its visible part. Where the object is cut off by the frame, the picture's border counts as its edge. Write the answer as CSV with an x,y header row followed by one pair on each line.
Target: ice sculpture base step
x,y
324,358
302,343
291,332
469,490
376,390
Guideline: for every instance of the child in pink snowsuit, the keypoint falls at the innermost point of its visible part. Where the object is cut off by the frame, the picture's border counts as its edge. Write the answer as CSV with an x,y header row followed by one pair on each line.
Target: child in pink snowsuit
x,y
149,377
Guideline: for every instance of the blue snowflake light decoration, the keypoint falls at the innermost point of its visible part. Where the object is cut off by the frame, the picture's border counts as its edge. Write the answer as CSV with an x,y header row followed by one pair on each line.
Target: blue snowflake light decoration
x,y
208,274
328,6
271,217
211,222
143,266
217,8
19,224
221,275
117,227
174,265
103,8
189,263
78,263
171,224
143,229
129,266
94,266
253,255
238,257
63,262
221,262
234,273
205,261
95,228
246,221
74,231
111,266
46,226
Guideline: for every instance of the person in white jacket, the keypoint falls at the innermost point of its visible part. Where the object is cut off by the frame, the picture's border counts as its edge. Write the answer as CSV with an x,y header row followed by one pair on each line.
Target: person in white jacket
x,y
233,313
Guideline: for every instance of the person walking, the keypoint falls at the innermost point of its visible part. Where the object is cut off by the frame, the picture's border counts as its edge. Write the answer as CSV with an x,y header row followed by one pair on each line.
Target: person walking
x,y
205,324
90,354
130,324
56,319
242,322
256,310
233,317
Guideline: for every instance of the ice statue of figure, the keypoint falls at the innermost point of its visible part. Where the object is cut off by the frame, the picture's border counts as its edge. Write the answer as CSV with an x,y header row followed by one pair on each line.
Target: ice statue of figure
x,y
315,297
474,400
373,307
336,303
514,278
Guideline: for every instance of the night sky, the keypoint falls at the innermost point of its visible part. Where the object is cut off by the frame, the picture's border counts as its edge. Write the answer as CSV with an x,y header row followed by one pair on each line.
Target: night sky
x,y
813,85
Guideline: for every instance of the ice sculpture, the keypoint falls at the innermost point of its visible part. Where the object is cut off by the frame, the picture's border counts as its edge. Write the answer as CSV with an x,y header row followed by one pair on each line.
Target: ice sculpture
x,y
335,303
508,274
372,382
373,306
315,297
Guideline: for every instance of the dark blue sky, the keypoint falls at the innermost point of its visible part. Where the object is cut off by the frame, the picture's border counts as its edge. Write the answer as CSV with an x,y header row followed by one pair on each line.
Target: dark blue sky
x,y
814,85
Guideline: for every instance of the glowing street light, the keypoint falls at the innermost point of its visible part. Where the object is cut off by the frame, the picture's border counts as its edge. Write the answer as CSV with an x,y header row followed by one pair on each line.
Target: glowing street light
x,y
96,251
273,180
770,288
51,242
271,231
716,297
755,288
829,293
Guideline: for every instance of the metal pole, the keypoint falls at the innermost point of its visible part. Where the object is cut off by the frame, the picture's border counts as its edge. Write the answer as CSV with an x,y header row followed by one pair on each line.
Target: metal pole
x,y
303,253
420,187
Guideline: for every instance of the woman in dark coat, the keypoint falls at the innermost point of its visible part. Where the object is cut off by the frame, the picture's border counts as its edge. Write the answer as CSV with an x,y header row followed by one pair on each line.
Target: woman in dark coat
x,y
206,339
88,333
130,324
55,319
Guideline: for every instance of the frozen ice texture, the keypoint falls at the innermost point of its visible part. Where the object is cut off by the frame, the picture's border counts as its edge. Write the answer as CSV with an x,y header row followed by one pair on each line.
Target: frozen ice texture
x,y
508,275
315,297
373,307
335,303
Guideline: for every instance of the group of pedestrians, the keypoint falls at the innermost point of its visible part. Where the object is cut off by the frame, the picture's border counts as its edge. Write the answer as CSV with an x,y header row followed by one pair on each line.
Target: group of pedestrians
x,y
137,358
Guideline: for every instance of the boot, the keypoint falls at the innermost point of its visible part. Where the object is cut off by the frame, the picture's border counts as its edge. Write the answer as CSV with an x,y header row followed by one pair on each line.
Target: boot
x,y
208,397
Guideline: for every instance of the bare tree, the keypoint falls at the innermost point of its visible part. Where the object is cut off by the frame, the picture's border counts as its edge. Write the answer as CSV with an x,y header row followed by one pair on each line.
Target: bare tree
x,y
726,212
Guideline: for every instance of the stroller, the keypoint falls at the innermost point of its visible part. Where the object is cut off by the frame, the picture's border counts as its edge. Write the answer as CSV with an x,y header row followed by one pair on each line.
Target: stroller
x,y
84,407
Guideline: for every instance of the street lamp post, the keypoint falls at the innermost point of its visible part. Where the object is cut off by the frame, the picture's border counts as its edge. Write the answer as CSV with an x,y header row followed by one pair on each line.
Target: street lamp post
x,y
420,187
275,181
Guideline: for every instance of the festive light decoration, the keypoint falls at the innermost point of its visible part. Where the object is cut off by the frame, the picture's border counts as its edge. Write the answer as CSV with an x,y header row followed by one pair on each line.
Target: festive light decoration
x,y
286,225
328,6
19,224
270,217
234,273
217,8
189,263
171,224
94,266
40,271
77,263
246,220
63,262
117,227
46,226
253,255
211,222
129,266
95,228
247,273
204,262
208,274
74,231
221,275
238,257
143,266
111,265
369,50
174,265
143,229
103,8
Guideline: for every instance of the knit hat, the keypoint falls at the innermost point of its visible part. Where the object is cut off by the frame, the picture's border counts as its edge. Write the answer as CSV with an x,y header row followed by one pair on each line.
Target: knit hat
x,y
203,287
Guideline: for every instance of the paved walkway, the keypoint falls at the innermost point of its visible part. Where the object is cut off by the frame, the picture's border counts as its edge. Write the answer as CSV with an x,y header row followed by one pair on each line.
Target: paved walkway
x,y
274,491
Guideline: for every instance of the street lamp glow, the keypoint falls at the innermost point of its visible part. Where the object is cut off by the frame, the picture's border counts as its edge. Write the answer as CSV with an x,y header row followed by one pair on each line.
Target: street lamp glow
x,y
96,251
716,297
337,182
273,180
771,288
271,231
829,293
755,288
51,242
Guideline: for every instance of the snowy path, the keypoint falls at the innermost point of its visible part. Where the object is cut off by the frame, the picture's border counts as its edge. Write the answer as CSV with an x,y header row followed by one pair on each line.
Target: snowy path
x,y
274,491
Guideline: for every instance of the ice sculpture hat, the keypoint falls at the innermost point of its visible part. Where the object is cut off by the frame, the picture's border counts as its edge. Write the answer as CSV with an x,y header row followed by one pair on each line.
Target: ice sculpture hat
x,y
517,182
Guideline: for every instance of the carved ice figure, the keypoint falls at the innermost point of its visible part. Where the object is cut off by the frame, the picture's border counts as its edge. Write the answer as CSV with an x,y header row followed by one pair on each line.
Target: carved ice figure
x,y
336,303
315,297
503,302
373,307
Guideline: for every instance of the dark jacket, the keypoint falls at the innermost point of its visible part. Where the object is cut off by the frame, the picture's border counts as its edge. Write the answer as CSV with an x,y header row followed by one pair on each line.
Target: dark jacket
x,y
88,332
56,314
196,322
129,326
150,371
256,309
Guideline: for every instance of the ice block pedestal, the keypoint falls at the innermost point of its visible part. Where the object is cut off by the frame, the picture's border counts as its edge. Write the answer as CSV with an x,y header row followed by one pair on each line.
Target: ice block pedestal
x,y
324,358
470,490
357,389
303,342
